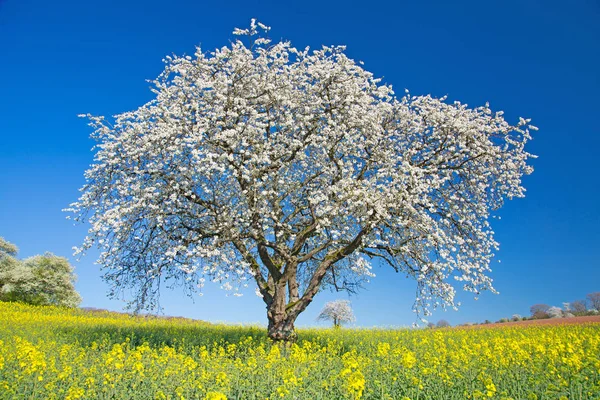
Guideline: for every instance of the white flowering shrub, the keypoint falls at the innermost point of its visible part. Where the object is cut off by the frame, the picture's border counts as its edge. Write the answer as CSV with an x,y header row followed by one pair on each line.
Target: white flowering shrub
x,y
42,279
8,264
516,317
339,312
555,312
7,249
295,170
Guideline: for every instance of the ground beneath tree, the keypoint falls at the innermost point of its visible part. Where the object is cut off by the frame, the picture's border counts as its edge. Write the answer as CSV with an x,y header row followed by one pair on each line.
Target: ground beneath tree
x,y
549,321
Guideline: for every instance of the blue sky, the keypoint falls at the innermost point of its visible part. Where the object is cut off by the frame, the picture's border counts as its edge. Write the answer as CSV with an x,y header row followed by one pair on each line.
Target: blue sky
x,y
536,59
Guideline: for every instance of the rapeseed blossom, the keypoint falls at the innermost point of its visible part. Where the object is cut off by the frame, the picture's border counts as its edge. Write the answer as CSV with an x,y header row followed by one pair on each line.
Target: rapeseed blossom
x,y
54,353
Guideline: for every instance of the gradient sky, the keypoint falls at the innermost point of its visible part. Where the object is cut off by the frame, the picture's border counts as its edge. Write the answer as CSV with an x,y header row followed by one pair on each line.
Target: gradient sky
x,y
535,59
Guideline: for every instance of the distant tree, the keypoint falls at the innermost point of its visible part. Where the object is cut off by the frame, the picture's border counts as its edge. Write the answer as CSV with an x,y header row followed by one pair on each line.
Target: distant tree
x,y
8,262
566,306
554,312
431,325
296,169
442,323
516,317
594,300
539,311
7,248
41,280
578,307
338,311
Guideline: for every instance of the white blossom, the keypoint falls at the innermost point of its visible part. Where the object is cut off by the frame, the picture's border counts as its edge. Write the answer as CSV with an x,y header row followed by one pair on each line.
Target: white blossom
x,y
338,312
555,312
297,167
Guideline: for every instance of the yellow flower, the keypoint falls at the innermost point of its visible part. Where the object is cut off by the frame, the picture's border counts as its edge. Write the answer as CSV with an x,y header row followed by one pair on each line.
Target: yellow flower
x,y
409,360
215,396
221,378
74,393
356,384
383,349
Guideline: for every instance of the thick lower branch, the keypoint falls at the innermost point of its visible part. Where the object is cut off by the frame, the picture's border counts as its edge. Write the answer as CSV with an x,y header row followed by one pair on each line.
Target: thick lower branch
x,y
281,322
315,281
293,293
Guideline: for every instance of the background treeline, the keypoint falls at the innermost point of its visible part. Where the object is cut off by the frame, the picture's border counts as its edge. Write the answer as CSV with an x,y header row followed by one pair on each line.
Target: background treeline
x,y
579,308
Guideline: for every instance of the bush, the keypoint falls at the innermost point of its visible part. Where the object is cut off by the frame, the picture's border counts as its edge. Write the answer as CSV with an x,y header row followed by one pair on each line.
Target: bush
x,y
38,280
555,312
578,307
540,315
539,311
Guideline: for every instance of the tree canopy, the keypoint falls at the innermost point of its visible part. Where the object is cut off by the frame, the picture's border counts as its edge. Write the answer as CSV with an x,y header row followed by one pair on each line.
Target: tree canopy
x,y
539,310
594,300
41,280
296,169
7,248
338,311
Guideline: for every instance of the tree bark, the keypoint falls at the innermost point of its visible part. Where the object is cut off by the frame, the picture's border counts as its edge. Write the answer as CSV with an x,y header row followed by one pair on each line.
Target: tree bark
x,y
282,314
281,330
281,323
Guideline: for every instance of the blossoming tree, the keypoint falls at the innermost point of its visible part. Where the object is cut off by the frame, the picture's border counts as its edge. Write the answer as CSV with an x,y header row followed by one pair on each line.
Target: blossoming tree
x,y
337,311
41,279
295,170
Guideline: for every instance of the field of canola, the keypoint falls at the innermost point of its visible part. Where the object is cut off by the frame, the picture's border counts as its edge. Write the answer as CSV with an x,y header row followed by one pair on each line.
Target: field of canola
x,y
53,353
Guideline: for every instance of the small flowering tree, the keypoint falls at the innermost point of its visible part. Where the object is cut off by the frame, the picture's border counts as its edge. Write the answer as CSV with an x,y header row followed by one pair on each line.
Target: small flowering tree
x,y
296,169
338,311
7,249
41,279
555,312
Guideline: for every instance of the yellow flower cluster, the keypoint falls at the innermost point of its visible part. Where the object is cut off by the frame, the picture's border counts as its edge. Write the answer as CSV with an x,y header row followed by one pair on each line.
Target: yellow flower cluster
x,y
54,353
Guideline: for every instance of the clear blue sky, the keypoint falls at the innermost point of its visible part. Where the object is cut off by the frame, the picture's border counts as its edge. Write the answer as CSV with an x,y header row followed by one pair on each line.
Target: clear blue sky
x,y
536,59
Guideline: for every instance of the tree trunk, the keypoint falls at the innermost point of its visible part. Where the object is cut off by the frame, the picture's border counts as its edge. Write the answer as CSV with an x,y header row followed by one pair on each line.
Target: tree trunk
x,y
282,330
281,323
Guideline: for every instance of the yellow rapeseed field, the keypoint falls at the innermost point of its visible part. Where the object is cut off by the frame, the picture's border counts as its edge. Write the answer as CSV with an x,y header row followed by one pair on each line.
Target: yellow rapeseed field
x,y
54,353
